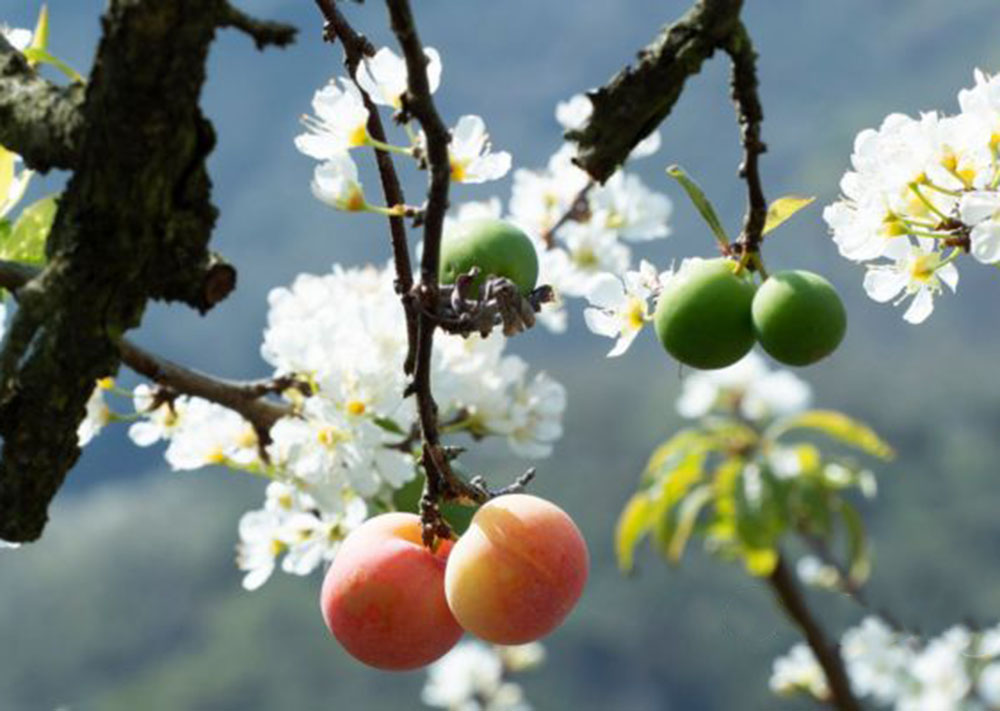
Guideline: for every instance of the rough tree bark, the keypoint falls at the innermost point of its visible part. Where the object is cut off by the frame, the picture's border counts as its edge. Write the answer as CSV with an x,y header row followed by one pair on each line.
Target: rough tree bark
x,y
133,225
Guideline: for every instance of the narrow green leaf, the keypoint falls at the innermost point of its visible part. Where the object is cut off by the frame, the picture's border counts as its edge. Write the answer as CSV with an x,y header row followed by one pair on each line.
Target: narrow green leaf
x,y
43,56
40,37
6,176
26,242
702,203
686,519
633,525
389,425
837,426
857,545
783,208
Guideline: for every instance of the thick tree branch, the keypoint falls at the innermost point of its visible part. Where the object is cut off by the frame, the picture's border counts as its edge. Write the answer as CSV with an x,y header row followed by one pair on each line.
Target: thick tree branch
x,y
787,592
38,120
638,98
133,224
246,397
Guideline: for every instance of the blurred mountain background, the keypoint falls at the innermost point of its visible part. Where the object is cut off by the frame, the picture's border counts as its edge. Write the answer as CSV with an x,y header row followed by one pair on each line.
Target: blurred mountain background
x,y
132,601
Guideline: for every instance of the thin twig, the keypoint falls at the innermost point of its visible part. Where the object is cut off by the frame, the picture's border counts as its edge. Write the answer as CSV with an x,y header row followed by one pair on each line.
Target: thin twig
x,y
787,592
265,33
579,209
356,48
743,84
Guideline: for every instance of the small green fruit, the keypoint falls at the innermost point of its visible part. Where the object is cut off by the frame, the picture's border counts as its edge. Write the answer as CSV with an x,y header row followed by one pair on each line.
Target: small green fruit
x,y
798,317
498,248
703,315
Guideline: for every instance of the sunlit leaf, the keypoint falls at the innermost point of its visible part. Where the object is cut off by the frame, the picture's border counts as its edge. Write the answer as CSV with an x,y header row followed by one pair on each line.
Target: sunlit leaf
x,y
783,208
838,426
697,196
26,242
857,545
760,561
42,56
40,37
687,516
6,176
633,525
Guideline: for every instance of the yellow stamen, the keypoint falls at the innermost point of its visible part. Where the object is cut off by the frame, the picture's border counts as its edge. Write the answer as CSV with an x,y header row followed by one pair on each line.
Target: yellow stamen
x,y
355,202
356,407
358,137
636,314
923,268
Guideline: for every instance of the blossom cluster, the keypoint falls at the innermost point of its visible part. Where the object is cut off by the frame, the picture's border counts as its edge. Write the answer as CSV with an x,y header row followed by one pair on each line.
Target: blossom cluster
x,y
340,124
584,231
474,677
921,193
959,670
350,437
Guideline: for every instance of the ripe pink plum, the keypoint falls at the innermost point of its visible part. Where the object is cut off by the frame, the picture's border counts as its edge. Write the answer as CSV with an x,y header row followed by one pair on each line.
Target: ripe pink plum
x,y
518,570
383,597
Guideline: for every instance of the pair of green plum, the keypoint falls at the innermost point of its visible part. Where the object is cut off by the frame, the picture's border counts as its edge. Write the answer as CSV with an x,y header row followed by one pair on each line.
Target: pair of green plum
x,y
708,316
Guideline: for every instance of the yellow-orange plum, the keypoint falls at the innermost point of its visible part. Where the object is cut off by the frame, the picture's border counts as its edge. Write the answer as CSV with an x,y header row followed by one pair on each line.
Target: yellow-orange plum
x,y
517,571
383,597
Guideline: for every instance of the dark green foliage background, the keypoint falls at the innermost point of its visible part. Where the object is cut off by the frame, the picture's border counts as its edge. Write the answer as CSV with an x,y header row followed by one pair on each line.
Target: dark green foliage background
x,y
131,600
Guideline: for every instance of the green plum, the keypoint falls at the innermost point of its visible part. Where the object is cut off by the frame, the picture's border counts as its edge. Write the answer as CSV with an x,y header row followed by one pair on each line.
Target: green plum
x,y
498,248
703,315
798,317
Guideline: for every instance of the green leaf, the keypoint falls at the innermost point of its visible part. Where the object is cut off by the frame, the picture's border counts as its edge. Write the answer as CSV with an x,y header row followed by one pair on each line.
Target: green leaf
x,y
389,425
632,527
37,55
40,37
760,561
783,208
701,202
837,426
6,176
857,545
686,519
26,242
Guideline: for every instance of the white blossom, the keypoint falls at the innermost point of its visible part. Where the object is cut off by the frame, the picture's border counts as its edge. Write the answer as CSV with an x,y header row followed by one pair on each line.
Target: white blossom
x,y
747,385
19,38
159,423
335,182
210,434
620,307
471,155
916,272
98,413
340,124
798,671
383,76
471,678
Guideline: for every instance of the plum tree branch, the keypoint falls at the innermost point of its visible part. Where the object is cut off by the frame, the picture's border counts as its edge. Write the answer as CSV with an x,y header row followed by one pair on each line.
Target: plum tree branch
x,y
637,99
750,115
786,590
39,120
246,397
133,224
427,304
356,48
